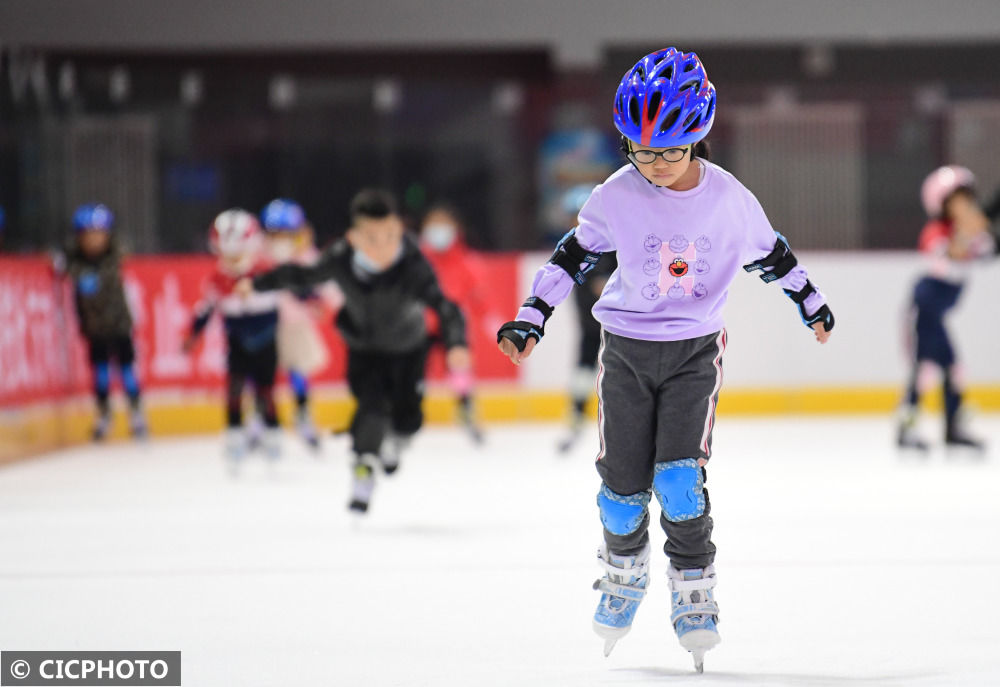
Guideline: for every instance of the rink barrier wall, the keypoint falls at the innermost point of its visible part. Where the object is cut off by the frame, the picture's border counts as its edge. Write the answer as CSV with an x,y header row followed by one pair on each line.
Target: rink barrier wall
x,y
47,426
772,365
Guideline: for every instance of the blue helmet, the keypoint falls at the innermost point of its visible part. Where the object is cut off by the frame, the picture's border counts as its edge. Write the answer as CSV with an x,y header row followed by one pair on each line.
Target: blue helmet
x,y
282,214
665,100
93,216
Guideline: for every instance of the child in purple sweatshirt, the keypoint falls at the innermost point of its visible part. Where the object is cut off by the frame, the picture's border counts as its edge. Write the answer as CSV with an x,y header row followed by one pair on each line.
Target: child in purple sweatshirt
x,y
682,229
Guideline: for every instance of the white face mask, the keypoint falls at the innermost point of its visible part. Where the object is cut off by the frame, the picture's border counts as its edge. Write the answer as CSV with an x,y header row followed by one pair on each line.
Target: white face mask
x,y
366,264
439,236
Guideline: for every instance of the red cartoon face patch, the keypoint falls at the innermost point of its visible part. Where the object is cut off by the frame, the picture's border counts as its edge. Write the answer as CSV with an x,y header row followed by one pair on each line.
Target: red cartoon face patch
x,y
678,268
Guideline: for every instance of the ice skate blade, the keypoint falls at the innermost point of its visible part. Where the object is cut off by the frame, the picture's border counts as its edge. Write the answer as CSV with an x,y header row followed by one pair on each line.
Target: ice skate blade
x,y
476,435
610,635
699,660
609,644
566,445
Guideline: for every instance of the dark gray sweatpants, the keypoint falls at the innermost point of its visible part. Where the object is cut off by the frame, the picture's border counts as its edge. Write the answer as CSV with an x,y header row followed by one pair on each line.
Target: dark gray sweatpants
x,y
657,404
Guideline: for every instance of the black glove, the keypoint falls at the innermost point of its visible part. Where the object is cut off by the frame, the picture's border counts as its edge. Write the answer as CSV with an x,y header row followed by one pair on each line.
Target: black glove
x,y
519,332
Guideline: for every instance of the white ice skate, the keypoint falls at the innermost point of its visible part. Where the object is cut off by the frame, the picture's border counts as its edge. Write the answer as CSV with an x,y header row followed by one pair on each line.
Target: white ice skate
x,y
102,427
392,450
270,443
254,432
467,418
907,435
362,483
137,425
694,613
623,588
567,443
235,448
306,429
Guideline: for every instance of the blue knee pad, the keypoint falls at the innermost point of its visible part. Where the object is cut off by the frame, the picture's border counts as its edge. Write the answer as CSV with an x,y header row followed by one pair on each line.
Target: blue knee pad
x,y
680,489
129,380
102,377
621,514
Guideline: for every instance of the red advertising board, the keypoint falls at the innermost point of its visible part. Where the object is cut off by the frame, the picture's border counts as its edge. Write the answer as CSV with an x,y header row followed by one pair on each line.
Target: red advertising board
x,y
42,357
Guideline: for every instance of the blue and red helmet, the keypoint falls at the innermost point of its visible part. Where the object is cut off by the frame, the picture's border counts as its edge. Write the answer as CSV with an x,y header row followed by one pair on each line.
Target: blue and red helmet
x,y
93,216
282,214
665,100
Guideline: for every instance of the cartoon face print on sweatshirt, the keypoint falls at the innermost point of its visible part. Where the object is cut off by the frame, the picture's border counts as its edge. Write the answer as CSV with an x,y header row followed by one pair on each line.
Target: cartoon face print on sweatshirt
x,y
651,291
676,265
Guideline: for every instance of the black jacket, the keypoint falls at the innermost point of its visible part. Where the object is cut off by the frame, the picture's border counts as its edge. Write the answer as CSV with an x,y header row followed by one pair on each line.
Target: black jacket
x,y
99,292
382,312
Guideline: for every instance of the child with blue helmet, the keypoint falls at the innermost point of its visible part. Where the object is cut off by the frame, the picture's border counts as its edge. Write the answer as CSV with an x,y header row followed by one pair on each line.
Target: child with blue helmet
x,y
682,229
301,349
93,262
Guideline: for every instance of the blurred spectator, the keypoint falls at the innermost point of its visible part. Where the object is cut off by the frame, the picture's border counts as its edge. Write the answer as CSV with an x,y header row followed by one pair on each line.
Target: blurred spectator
x,y
581,384
442,239
251,322
956,235
93,261
301,349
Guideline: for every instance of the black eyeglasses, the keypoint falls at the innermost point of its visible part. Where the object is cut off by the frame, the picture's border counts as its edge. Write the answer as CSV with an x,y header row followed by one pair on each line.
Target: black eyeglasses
x,y
645,157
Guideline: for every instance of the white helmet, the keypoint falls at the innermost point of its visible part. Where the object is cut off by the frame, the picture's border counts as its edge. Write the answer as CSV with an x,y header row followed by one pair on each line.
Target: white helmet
x,y
941,183
235,233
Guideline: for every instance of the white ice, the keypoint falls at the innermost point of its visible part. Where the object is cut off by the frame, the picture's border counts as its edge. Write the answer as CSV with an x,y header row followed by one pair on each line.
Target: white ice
x,y
840,562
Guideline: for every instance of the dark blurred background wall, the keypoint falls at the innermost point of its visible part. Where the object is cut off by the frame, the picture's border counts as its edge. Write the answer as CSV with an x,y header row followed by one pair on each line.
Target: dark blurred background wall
x,y
832,112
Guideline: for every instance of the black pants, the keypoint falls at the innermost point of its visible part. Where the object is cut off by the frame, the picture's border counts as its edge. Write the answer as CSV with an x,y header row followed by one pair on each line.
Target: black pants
x,y
389,390
932,299
104,350
258,365
120,348
657,405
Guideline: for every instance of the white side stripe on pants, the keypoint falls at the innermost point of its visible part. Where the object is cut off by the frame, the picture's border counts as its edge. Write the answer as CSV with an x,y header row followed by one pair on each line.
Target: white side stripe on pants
x,y
600,395
720,342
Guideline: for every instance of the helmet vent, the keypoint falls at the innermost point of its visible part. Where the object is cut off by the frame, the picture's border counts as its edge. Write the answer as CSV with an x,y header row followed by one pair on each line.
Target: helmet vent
x,y
668,72
689,66
654,105
641,72
633,111
670,120
693,83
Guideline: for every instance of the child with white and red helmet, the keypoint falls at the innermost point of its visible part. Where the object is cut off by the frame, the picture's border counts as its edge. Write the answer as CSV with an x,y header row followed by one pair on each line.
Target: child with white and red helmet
x,y
93,262
301,349
682,228
956,235
251,324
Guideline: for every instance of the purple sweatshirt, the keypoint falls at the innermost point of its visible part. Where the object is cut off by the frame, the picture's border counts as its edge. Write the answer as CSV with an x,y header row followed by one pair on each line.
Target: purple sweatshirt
x,y
678,251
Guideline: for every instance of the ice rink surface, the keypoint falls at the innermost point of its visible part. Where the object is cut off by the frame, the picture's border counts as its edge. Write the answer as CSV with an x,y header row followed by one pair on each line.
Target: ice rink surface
x,y
840,562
